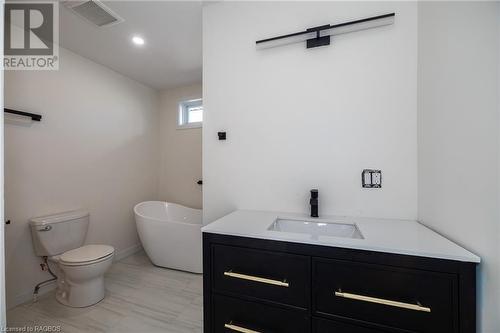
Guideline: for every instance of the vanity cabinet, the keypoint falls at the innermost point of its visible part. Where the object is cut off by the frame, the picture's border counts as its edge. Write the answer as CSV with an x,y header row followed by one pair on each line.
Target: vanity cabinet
x,y
255,285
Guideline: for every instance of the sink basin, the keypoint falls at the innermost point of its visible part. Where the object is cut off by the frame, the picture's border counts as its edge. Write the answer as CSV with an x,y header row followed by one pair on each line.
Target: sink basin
x,y
316,228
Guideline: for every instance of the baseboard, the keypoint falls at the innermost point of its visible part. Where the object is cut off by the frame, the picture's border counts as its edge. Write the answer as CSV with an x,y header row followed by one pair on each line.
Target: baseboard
x,y
122,254
27,295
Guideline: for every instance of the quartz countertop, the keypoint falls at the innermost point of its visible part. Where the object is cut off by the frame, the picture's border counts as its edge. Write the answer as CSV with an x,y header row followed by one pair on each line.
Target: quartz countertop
x,y
382,235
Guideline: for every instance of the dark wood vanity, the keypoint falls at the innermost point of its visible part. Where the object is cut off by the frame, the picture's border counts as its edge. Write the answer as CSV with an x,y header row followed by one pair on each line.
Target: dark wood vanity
x,y
255,285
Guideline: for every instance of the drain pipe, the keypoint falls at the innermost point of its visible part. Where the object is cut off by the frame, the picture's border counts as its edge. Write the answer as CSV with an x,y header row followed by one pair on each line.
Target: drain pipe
x,y
44,265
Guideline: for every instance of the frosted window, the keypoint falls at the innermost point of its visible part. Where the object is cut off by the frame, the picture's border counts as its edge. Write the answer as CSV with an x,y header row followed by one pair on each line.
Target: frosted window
x,y
190,114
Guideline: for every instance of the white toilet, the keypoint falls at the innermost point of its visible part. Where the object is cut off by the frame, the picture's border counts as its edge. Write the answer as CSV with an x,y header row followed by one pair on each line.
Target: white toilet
x,y
80,274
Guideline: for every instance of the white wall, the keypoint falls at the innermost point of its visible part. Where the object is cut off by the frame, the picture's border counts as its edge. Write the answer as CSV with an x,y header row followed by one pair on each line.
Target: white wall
x,y
458,135
298,119
180,167
95,148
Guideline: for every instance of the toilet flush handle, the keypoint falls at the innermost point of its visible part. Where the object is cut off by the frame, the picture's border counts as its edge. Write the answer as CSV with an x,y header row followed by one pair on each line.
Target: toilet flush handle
x,y
45,228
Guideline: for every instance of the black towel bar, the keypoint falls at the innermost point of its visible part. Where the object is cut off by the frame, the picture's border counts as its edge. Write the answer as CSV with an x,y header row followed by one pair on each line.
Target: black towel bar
x,y
33,116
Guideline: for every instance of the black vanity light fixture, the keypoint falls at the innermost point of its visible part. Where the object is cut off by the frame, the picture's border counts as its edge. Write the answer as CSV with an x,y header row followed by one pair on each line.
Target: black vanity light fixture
x,y
320,36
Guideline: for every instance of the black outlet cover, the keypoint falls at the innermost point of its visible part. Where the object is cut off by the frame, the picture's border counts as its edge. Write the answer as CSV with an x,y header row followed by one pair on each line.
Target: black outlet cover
x,y
371,178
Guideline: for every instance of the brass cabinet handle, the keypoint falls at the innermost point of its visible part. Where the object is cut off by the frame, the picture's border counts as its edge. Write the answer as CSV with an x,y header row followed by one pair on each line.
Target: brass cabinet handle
x,y
239,328
409,306
257,279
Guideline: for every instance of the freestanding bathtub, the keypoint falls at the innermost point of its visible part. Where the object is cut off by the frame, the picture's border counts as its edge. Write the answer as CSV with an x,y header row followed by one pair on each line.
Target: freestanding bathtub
x,y
170,234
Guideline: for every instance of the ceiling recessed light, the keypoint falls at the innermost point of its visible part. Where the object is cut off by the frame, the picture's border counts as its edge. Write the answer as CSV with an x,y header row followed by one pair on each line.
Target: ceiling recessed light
x,y
138,40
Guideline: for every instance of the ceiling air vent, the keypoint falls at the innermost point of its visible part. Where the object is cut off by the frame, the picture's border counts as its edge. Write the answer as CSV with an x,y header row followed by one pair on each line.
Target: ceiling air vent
x,y
94,11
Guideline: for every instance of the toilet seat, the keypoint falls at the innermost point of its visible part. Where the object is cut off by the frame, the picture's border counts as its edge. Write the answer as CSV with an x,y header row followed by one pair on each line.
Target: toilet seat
x,y
86,255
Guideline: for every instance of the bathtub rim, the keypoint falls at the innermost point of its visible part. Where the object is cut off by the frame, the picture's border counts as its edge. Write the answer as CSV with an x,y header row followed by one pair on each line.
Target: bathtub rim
x,y
155,219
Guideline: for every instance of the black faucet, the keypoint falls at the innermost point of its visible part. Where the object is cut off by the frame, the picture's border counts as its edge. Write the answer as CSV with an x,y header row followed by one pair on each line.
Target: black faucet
x,y
314,203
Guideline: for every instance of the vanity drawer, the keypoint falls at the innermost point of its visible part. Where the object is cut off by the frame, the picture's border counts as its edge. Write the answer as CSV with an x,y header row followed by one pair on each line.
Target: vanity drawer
x,y
330,326
273,276
235,315
413,300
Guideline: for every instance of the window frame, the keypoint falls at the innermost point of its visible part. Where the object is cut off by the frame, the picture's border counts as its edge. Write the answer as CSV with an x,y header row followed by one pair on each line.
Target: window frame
x,y
183,113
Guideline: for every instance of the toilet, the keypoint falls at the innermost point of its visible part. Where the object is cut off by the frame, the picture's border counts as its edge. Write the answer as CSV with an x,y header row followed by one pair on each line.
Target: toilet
x,y
80,268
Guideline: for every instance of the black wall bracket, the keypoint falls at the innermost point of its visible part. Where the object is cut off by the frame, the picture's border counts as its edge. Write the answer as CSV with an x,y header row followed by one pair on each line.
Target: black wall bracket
x,y
319,40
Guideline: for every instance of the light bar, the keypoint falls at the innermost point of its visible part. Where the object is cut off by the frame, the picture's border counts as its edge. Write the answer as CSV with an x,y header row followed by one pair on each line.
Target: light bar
x,y
320,36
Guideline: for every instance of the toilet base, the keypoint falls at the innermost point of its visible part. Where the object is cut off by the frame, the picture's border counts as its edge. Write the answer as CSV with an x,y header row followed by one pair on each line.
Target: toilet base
x,y
82,294
83,285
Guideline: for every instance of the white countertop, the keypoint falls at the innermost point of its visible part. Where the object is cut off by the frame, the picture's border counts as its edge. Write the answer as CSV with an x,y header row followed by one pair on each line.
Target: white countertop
x,y
381,235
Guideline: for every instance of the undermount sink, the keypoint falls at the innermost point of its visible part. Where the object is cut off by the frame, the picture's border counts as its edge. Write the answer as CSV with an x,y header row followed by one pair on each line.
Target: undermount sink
x,y
316,228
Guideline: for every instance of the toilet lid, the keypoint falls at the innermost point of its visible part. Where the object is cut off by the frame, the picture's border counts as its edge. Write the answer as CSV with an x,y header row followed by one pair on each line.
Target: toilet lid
x,y
87,253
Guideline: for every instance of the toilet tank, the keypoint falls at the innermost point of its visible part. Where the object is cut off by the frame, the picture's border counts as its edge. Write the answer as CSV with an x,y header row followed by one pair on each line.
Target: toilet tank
x,y
58,233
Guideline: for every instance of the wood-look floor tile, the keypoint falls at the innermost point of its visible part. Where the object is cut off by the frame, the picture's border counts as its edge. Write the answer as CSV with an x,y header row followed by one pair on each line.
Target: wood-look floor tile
x,y
140,297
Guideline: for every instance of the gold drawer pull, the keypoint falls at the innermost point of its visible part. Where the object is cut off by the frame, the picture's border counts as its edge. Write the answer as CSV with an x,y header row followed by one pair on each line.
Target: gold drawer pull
x,y
416,307
238,328
257,279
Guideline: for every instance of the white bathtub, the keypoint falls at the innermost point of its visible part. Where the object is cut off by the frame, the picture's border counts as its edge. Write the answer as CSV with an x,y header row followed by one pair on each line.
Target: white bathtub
x,y
170,234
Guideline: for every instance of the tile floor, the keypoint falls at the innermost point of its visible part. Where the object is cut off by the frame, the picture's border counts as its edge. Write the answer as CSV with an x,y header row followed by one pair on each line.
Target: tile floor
x,y
140,298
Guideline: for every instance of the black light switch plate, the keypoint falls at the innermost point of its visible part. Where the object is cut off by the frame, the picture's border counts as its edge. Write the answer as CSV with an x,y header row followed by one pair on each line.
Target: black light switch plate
x,y
371,178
